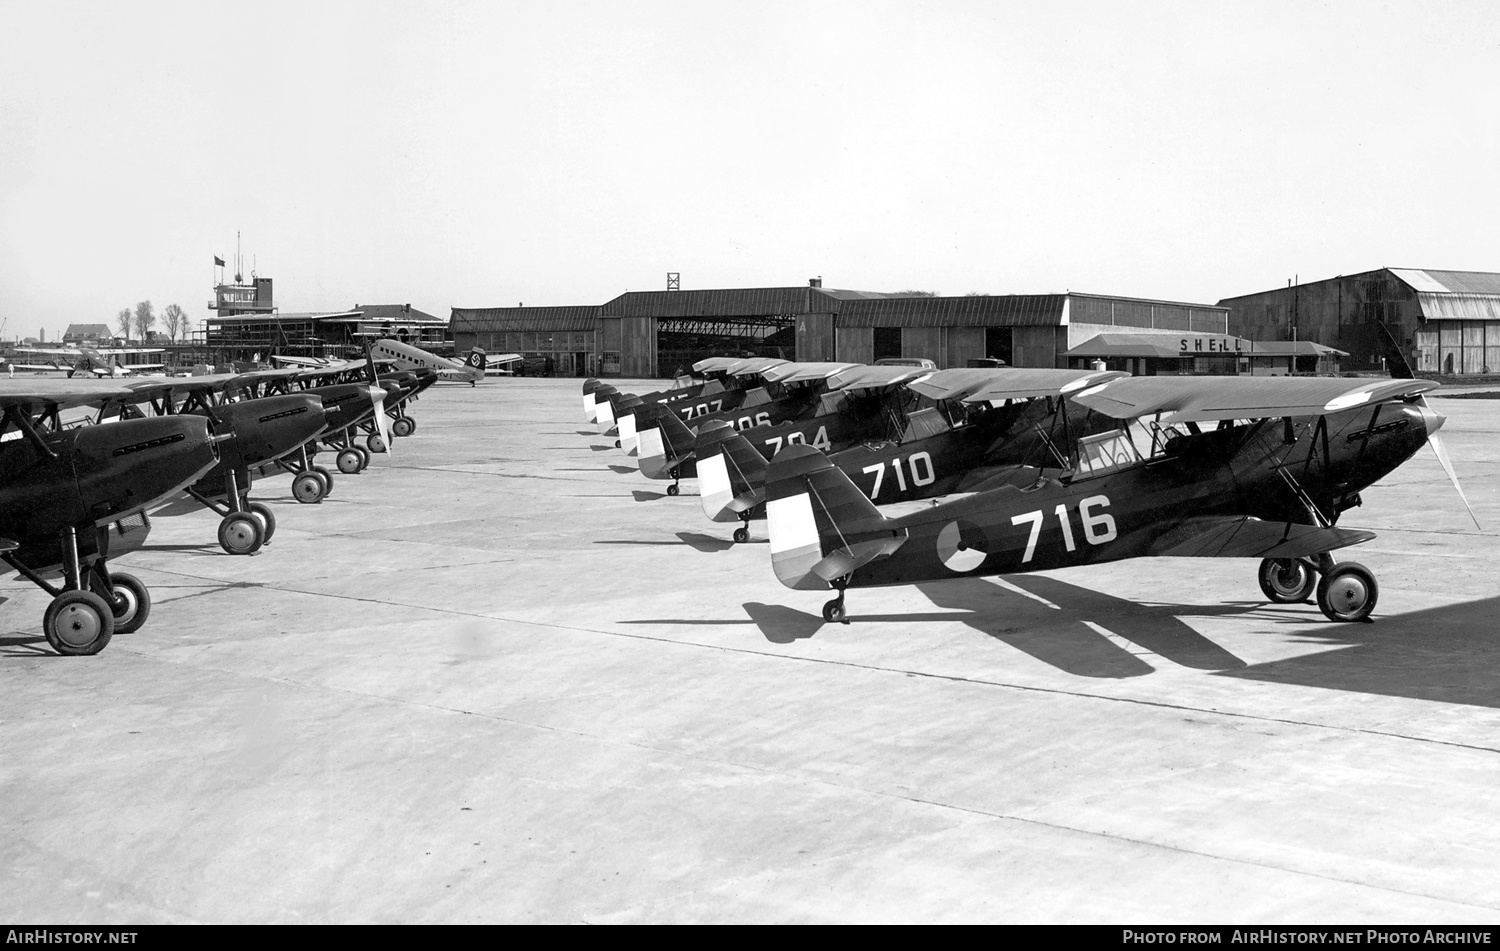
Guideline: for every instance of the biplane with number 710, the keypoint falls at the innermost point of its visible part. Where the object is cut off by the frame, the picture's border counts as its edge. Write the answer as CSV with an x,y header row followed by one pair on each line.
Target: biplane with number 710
x,y
1253,467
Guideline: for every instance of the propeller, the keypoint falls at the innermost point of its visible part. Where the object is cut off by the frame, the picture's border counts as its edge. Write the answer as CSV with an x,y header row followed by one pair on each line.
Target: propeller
x,y
1434,421
377,396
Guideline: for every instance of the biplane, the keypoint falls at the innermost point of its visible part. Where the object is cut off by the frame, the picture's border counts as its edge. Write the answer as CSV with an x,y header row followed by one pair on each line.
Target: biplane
x,y
1222,467
901,434
99,361
729,383
74,497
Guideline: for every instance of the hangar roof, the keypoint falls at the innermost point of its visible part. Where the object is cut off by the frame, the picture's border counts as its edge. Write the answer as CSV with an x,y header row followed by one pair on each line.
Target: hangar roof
x,y
1449,282
733,302
979,310
498,319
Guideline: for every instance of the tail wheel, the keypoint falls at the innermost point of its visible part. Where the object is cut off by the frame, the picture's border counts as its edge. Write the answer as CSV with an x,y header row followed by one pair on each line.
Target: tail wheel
x,y
672,489
267,518
349,461
742,535
1286,580
78,623
833,611
240,534
403,426
129,602
308,488
1348,592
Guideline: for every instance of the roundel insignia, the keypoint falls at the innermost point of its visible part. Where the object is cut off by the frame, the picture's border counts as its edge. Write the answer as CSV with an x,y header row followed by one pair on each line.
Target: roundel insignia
x,y
954,549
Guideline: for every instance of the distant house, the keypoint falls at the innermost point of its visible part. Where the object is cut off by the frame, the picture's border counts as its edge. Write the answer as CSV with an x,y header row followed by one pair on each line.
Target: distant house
x,y
91,335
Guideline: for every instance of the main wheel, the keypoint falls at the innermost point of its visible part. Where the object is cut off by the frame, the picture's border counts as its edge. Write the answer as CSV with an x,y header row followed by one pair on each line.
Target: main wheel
x,y
349,461
78,623
240,533
402,426
364,454
267,518
374,443
742,534
672,489
1348,592
327,478
1286,580
309,488
834,611
129,602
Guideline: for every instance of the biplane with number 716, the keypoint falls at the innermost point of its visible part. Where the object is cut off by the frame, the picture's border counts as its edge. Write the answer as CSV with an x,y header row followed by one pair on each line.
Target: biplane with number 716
x,y
1253,467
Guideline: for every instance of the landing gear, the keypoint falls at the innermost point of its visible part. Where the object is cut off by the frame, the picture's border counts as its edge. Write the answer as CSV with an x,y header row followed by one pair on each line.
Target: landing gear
x,y
128,599
676,475
267,519
672,489
309,488
78,623
1348,592
742,535
374,443
349,461
1287,580
326,476
834,610
240,534
403,426
364,454
617,444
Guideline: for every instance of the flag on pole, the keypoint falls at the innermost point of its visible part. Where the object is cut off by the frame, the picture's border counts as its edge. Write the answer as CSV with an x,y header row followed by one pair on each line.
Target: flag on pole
x,y
218,261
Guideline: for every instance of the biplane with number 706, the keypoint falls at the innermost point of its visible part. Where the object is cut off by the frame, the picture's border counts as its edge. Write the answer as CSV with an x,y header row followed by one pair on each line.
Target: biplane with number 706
x,y
1252,467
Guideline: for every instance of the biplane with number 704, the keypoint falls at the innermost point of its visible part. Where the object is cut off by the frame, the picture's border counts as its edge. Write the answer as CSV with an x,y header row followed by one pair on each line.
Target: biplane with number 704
x,y
1251,467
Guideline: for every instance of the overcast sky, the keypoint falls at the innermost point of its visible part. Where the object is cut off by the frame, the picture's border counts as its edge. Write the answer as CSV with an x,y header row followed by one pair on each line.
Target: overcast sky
x,y
485,154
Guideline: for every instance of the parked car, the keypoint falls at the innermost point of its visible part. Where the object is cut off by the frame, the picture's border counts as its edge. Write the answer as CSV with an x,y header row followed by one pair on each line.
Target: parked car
x,y
922,362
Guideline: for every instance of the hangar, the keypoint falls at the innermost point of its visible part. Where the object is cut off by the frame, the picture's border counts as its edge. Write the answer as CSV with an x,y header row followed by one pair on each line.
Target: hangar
x,y
652,333
1443,321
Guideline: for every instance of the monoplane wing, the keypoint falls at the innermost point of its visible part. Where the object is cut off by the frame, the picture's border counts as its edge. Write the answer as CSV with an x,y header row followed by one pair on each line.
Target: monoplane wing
x,y
1181,399
1245,537
996,384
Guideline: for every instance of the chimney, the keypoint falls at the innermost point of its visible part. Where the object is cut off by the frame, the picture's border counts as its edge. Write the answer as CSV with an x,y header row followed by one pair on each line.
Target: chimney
x,y
815,282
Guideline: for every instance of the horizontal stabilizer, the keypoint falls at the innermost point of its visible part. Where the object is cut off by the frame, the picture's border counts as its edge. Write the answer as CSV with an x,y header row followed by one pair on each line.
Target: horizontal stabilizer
x,y
1245,537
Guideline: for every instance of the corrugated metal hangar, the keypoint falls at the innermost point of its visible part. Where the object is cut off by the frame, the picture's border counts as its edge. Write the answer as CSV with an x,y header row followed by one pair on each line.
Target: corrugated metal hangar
x,y
1443,321
652,333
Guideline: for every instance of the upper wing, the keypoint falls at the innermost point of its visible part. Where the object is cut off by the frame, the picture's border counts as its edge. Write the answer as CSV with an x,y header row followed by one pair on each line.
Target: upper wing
x,y
1183,399
803,372
873,378
993,384
64,394
1246,537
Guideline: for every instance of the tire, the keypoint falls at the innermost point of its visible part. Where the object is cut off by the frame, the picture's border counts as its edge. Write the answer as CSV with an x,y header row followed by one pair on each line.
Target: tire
x,y
129,602
374,443
672,490
1348,593
742,535
267,518
240,534
402,426
833,611
364,454
348,461
1286,580
309,488
78,623
327,478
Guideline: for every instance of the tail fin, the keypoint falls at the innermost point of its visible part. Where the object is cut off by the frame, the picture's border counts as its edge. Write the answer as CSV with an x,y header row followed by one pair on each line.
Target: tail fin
x,y
822,526
665,445
475,359
731,474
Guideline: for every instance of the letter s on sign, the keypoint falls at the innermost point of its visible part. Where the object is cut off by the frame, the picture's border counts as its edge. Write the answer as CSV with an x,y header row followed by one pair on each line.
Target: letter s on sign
x,y
1100,528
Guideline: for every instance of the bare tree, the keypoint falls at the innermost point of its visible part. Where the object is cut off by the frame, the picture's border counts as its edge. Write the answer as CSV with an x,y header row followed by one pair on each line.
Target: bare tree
x,y
176,322
145,318
125,318
915,294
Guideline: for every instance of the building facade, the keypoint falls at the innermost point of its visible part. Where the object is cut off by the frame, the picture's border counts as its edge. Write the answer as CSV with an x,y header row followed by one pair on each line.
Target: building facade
x,y
1444,322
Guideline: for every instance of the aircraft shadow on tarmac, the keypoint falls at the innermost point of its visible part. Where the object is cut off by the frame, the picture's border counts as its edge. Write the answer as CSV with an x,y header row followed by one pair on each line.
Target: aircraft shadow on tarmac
x,y
696,539
1450,654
